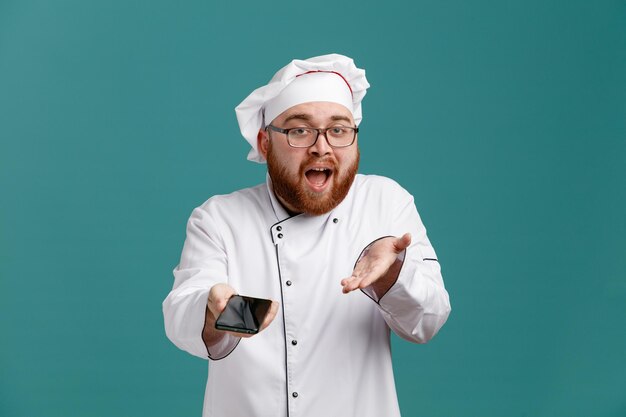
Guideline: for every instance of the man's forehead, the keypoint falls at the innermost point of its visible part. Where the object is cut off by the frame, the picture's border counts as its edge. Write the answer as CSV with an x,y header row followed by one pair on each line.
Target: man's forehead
x,y
314,111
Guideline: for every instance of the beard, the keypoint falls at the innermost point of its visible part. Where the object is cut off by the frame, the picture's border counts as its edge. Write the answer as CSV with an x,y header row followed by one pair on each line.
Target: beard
x,y
293,190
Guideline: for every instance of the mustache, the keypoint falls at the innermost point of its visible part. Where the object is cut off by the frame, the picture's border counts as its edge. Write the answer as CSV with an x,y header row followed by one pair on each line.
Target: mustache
x,y
324,160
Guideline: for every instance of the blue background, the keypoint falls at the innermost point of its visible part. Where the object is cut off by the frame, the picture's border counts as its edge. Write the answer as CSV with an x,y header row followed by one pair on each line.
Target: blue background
x,y
505,119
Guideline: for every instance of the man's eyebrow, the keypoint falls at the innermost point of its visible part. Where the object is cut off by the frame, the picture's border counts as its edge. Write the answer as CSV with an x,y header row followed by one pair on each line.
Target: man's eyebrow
x,y
307,118
298,116
340,118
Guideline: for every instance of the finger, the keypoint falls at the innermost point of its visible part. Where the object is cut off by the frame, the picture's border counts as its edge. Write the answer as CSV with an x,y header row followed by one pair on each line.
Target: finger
x,y
237,334
367,281
361,271
216,306
225,291
349,279
219,291
371,277
351,284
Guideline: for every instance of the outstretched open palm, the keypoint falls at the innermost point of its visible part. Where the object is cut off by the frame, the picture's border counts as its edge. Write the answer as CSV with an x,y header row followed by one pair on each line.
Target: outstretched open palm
x,y
376,266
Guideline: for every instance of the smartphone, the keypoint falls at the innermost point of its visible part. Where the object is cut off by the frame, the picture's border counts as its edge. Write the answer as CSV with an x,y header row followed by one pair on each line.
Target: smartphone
x,y
243,314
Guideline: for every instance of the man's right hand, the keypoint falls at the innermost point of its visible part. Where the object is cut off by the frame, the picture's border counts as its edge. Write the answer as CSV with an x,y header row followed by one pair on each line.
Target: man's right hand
x,y
218,298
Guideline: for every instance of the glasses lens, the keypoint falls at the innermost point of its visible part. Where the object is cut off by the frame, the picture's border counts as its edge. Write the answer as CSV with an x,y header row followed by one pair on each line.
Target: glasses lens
x,y
337,136
301,137
340,135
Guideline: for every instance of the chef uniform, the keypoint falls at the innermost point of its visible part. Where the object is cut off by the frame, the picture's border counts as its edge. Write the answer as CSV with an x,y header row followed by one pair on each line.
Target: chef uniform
x,y
326,353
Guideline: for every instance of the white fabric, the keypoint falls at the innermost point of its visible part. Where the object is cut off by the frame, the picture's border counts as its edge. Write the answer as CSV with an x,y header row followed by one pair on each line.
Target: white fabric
x,y
250,112
315,86
341,364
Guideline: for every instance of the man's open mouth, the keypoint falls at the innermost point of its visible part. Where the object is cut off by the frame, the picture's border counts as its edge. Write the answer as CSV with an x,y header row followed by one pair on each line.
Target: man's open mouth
x,y
318,177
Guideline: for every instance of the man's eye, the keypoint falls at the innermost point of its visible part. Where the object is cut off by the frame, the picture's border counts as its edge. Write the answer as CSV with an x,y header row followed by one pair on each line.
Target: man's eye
x,y
338,130
300,131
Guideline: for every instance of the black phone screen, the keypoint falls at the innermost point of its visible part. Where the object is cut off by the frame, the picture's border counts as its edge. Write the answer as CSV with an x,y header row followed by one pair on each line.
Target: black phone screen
x,y
243,314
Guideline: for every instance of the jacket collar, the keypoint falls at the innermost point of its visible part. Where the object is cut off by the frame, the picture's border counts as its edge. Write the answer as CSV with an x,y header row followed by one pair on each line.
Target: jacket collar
x,y
279,210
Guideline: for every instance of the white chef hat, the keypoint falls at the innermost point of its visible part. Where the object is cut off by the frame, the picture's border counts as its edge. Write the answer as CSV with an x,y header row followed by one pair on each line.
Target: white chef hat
x,y
332,78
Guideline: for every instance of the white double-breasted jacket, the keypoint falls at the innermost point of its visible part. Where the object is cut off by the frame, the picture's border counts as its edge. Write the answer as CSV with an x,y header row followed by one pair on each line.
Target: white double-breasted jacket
x,y
326,353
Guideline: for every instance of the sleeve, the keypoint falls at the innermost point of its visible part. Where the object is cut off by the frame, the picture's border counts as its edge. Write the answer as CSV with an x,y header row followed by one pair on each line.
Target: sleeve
x,y
203,264
417,305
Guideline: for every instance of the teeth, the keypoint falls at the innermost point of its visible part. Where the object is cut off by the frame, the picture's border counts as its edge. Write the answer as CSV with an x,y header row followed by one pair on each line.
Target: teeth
x,y
318,169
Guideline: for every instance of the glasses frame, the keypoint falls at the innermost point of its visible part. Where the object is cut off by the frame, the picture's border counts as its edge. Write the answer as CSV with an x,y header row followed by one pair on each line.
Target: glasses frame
x,y
319,131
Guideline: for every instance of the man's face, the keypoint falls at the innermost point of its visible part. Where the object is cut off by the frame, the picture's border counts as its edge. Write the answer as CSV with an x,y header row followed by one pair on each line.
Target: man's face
x,y
310,180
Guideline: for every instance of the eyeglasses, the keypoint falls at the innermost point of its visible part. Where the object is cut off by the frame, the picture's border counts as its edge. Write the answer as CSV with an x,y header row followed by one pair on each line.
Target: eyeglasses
x,y
305,137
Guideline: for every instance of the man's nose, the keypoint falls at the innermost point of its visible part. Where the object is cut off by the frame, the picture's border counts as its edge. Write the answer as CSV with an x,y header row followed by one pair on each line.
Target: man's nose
x,y
321,146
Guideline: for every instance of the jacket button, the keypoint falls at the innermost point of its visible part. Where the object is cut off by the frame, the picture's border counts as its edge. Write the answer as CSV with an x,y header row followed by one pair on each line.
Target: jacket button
x,y
288,283
294,342
279,228
280,235
294,395
335,220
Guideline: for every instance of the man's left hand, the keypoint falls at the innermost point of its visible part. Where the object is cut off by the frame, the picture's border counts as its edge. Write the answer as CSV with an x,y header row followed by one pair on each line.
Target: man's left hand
x,y
378,267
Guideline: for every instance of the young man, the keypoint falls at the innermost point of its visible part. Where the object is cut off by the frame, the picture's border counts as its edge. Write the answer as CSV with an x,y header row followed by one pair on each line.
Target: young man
x,y
308,238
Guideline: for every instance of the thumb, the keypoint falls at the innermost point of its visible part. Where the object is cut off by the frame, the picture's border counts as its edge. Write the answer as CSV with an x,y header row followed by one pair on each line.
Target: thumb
x,y
218,298
403,242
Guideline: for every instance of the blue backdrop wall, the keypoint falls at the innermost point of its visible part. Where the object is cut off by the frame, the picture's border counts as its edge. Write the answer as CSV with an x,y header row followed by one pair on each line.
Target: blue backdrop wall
x,y
505,119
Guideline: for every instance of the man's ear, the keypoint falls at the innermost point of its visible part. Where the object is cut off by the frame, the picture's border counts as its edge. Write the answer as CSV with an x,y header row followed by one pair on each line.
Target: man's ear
x,y
262,142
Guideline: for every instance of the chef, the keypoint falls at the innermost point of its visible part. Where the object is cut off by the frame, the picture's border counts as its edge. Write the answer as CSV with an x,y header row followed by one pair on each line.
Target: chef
x,y
344,257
